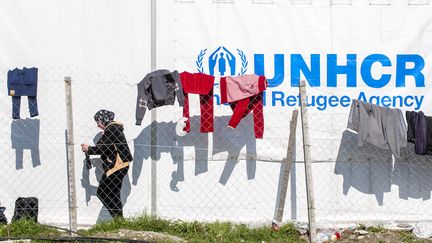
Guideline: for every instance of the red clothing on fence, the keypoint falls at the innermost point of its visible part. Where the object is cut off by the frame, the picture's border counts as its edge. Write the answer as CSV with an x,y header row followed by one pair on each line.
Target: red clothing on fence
x,y
202,84
251,87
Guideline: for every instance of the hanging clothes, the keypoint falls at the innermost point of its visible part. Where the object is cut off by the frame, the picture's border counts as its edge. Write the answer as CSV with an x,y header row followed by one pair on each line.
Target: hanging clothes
x,y
383,127
23,82
419,131
158,88
201,84
429,133
409,115
245,94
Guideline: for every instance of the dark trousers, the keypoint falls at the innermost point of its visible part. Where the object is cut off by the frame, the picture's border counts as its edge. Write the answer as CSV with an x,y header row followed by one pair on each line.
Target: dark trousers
x,y
109,192
16,105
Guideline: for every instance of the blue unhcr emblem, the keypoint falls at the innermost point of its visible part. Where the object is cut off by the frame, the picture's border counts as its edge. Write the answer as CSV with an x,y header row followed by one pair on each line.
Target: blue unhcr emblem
x,y
220,58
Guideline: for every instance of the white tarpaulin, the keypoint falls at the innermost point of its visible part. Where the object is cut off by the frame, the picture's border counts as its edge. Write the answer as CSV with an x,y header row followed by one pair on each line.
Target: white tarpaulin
x,y
366,50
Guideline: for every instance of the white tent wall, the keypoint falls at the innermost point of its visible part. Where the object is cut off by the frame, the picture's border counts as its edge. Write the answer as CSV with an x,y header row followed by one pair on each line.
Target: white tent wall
x,y
226,175
352,183
104,46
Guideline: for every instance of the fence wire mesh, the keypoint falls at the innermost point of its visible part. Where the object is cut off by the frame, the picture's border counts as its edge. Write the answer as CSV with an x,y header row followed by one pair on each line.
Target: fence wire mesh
x,y
227,174
33,149
364,183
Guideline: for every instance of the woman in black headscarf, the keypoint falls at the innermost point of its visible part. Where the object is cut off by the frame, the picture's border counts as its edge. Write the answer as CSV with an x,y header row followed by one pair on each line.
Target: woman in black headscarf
x,y
111,143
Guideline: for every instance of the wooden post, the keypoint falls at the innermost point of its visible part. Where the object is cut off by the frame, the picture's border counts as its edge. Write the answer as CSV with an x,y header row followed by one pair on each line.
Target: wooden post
x,y
286,164
308,165
70,157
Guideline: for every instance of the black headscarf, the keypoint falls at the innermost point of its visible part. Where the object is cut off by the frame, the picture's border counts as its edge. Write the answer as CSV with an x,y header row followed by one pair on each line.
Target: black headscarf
x,y
104,116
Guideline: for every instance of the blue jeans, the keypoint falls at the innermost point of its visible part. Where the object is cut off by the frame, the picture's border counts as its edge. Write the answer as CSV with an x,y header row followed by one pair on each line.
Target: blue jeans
x,y
16,105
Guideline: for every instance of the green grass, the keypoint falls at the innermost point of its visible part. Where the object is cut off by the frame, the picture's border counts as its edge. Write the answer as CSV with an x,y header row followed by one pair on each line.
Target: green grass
x,y
190,231
27,228
376,229
372,229
200,232
408,237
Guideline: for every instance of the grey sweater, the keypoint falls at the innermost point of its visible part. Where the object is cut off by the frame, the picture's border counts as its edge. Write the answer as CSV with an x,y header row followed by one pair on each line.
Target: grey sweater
x,y
381,126
158,88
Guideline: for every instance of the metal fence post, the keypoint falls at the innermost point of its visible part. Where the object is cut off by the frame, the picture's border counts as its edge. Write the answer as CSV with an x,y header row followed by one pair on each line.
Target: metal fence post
x,y
70,157
308,165
153,125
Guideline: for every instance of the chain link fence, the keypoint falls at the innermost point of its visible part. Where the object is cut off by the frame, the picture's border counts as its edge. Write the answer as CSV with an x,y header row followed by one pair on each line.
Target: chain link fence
x,y
226,174
364,183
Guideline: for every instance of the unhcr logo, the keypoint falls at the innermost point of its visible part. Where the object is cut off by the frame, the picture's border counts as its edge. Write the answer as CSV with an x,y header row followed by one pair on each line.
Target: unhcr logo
x,y
223,62
348,70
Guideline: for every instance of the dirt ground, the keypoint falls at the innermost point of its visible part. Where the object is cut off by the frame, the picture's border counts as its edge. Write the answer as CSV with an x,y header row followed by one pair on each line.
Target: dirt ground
x,y
139,235
380,237
388,236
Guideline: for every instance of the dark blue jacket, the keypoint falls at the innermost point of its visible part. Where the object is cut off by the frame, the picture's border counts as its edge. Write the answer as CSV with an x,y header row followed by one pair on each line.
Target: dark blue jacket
x,y
429,134
411,125
22,82
420,128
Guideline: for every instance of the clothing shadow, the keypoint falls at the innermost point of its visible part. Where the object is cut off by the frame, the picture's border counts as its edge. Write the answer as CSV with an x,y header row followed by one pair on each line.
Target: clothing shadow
x,y
366,168
225,140
412,174
91,190
231,141
25,136
168,142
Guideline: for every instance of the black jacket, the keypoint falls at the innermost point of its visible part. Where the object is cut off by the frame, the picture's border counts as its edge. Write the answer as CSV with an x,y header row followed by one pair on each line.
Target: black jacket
x,y
112,141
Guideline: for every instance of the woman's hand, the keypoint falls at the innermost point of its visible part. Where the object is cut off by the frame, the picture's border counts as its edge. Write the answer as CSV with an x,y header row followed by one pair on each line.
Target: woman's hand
x,y
84,147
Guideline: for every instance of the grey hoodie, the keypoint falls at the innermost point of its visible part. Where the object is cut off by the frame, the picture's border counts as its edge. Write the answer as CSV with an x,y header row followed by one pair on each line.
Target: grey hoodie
x,y
381,126
158,88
